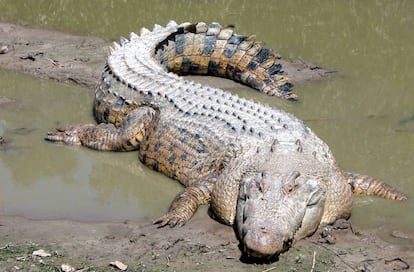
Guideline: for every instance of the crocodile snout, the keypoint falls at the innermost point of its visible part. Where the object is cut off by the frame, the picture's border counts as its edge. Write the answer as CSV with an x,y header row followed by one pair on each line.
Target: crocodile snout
x,y
262,243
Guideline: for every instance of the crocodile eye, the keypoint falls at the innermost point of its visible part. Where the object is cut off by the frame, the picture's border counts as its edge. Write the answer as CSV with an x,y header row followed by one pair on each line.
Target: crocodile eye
x,y
291,183
289,188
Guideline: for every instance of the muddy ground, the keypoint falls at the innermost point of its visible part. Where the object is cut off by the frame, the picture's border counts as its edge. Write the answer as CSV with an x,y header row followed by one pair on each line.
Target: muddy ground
x,y
202,244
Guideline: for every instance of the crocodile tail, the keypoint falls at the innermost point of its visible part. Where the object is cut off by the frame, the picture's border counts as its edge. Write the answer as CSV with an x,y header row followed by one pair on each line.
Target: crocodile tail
x,y
366,185
215,50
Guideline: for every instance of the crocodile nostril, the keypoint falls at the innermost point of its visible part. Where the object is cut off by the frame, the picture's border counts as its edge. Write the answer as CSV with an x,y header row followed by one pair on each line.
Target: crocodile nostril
x,y
262,243
264,230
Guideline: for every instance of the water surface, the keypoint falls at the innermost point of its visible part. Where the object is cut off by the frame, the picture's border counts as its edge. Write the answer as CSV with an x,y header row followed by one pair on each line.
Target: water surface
x,y
364,113
44,180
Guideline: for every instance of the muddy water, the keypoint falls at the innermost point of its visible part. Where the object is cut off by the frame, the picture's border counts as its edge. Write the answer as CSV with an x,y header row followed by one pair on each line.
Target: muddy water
x,y
43,180
365,112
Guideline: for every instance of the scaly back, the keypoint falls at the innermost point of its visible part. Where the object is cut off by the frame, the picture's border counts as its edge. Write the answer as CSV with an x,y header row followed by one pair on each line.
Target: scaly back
x,y
200,49
147,66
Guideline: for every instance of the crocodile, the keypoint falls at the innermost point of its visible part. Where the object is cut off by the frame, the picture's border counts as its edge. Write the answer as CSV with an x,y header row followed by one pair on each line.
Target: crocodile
x,y
261,170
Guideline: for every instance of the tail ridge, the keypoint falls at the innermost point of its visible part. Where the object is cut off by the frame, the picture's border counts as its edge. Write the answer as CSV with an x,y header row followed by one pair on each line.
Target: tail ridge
x,y
210,49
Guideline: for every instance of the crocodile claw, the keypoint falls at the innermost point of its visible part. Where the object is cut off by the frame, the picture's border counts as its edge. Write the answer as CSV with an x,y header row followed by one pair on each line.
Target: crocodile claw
x,y
172,220
66,135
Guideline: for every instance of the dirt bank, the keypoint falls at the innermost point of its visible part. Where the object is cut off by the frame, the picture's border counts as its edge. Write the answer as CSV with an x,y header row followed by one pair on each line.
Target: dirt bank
x,y
203,244
52,55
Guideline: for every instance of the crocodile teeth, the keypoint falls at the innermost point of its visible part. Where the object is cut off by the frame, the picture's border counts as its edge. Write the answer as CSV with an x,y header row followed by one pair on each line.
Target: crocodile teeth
x,y
111,50
133,36
123,41
144,31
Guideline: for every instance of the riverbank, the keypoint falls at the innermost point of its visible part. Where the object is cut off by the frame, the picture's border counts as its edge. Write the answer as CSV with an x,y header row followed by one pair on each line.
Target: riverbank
x,y
202,245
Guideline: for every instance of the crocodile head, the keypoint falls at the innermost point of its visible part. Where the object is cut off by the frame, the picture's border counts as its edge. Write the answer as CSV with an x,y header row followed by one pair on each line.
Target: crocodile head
x,y
275,210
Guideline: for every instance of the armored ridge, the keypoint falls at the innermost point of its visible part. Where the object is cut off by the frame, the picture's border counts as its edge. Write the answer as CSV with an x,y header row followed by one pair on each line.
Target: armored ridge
x,y
206,49
134,64
260,168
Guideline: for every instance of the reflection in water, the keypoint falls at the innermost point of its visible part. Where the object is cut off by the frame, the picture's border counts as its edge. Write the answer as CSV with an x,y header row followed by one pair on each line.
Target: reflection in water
x,y
370,43
406,124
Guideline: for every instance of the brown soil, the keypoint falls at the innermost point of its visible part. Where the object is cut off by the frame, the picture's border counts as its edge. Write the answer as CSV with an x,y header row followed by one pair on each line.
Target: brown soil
x,y
202,244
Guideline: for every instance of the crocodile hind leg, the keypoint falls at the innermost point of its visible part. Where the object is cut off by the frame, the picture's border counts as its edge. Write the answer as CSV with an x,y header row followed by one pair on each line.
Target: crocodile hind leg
x,y
185,204
366,185
131,132
360,185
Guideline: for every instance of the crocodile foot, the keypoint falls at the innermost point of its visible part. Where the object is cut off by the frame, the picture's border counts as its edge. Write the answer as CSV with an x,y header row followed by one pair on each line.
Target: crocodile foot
x,y
327,233
327,236
66,135
170,219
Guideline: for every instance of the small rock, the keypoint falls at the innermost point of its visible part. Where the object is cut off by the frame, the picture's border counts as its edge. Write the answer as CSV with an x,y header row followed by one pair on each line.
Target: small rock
x,y
32,56
341,224
119,265
402,235
67,268
41,253
4,49
20,259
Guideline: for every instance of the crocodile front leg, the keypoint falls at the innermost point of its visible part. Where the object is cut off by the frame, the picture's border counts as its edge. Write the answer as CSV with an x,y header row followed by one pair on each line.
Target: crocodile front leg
x,y
184,205
132,131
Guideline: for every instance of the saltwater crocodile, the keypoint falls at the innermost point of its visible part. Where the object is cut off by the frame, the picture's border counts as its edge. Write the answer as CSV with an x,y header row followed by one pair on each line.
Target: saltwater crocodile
x,y
261,169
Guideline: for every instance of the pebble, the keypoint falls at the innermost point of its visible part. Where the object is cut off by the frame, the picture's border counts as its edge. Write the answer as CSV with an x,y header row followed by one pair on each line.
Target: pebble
x,y
67,268
4,49
119,265
41,253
